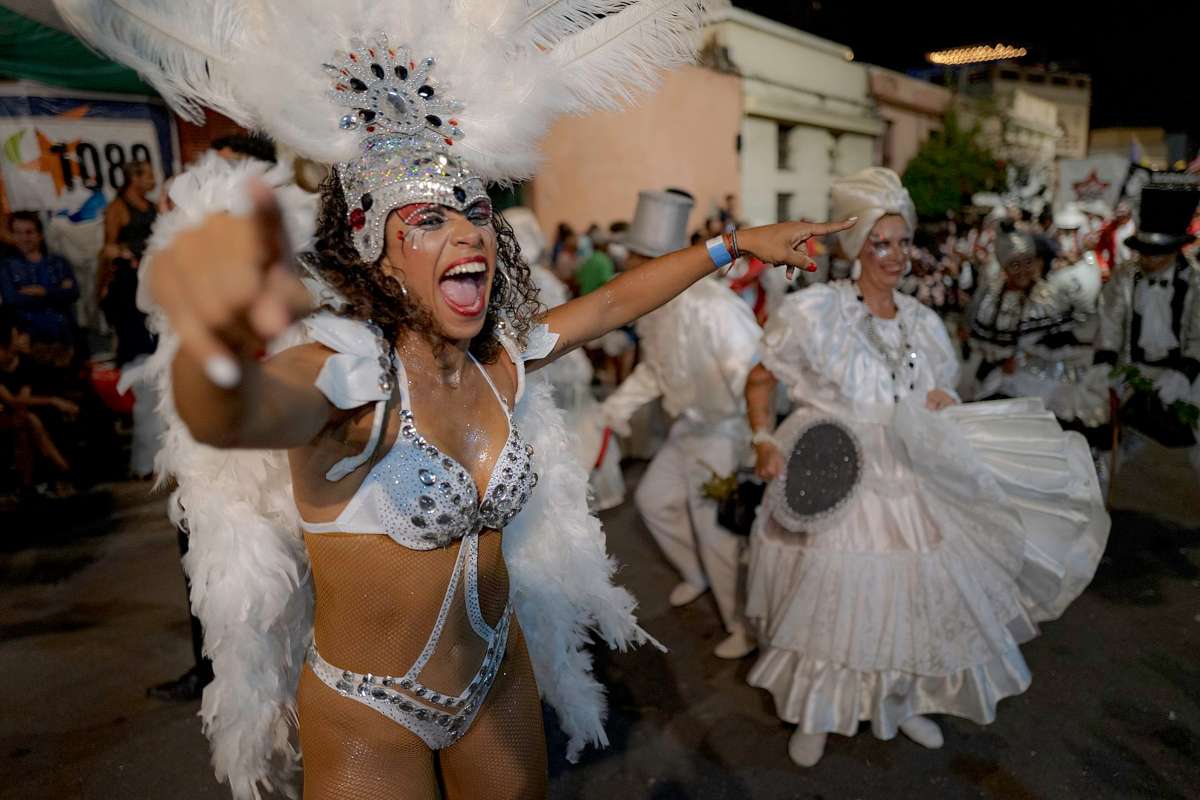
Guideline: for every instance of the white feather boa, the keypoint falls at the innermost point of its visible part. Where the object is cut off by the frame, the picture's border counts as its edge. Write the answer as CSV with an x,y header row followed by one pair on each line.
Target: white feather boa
x,y
250,573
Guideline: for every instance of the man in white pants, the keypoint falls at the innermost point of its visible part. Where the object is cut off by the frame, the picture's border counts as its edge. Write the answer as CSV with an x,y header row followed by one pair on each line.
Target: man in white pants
x,y
696,353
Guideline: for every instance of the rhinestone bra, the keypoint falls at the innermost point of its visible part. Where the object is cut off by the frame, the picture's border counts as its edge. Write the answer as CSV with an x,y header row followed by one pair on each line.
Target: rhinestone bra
x,y
424,499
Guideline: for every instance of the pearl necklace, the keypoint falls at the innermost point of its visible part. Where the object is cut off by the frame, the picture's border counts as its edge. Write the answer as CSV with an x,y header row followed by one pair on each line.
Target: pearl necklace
x,y
900,361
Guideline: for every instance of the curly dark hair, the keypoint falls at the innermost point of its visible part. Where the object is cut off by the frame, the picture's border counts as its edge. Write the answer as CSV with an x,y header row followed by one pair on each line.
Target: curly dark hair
x,y
374,296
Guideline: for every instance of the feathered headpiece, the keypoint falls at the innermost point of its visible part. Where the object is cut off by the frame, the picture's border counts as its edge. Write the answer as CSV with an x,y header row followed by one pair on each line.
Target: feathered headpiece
x,y
411,100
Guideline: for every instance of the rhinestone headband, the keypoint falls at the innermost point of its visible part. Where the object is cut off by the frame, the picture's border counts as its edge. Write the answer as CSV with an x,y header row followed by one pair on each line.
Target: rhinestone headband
x,y
409,124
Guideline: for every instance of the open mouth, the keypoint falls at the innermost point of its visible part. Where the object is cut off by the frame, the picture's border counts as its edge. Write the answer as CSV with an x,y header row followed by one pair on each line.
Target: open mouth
x,y
463,286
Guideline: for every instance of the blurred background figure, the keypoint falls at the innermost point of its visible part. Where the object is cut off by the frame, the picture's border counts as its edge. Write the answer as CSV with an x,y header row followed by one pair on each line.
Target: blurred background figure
x,y
31,422
564,256
128,222
696,353
41,289
1150,319
571,376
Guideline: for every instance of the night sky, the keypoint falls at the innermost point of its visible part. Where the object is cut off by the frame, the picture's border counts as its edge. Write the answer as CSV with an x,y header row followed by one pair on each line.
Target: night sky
x,y
1144,56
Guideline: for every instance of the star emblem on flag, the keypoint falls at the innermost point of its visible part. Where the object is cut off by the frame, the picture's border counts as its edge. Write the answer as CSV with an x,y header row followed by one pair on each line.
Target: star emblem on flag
x,y
1091,187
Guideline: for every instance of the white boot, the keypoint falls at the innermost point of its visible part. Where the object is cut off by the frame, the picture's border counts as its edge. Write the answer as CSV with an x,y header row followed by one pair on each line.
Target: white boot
x,y
685,593
923,731
806,749
738,644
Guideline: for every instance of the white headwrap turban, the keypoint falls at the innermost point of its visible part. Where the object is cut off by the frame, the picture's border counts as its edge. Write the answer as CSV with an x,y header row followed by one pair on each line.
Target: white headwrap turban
x,y
870,194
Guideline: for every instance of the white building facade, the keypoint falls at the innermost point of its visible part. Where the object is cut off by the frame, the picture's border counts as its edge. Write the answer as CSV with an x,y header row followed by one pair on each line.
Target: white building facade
x,y
808,116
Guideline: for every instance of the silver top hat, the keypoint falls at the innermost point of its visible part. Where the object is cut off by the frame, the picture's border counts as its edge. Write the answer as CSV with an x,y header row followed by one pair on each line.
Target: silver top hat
x,y
659,224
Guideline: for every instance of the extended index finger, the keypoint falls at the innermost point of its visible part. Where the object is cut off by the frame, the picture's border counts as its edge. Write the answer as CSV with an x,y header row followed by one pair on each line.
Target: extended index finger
x,y
823,228
270,224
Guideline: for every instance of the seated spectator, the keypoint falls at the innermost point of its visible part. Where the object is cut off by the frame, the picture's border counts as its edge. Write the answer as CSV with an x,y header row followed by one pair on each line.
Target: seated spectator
x,y
39,287
28,419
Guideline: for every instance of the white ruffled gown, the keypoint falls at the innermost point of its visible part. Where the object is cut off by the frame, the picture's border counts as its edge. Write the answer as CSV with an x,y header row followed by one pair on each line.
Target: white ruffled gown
x,y
969,527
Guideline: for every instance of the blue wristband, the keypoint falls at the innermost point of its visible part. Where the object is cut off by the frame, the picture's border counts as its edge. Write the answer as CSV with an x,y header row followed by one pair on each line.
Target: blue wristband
x,y
718,252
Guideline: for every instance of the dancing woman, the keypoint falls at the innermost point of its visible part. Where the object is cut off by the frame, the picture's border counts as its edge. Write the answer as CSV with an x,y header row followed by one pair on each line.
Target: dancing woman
x,y
958,529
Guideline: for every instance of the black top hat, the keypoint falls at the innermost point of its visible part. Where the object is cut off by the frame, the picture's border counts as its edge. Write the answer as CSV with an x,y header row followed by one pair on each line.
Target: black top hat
x,y
1167,205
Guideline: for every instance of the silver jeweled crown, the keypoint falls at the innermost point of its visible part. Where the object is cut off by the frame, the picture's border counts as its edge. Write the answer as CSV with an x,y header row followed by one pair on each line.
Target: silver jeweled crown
x,y
410,125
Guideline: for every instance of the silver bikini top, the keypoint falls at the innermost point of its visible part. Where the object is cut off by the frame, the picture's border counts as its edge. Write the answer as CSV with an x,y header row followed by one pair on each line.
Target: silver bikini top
x,y
416,494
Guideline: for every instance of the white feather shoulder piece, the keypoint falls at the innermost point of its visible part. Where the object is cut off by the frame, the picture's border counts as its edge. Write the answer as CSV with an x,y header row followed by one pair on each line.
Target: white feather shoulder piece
x,y
246,560
561,576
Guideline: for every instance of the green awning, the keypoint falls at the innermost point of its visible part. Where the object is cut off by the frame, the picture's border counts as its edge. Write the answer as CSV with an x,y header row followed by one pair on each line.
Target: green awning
x,y
29,50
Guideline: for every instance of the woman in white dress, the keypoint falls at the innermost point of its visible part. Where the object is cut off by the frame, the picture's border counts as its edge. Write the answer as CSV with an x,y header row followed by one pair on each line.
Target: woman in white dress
x,y
967,526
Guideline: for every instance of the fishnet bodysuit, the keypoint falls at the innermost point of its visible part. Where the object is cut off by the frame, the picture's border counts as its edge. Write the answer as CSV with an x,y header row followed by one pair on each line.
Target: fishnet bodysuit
x,y
377,604
351,750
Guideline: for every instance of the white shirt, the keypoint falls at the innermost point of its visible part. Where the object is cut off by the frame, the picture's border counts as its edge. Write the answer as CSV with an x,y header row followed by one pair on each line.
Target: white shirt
x,y
697,352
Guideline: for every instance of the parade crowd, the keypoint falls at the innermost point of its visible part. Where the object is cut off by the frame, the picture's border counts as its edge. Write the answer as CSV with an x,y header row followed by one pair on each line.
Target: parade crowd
x,y
883,444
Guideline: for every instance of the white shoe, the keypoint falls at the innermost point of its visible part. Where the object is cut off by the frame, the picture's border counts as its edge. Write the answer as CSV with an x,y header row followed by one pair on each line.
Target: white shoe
x,y
806,749
685,593
923,731
738,644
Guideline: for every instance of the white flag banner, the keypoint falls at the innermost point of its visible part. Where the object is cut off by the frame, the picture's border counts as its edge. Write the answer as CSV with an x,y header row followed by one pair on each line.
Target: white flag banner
x,y
1086,180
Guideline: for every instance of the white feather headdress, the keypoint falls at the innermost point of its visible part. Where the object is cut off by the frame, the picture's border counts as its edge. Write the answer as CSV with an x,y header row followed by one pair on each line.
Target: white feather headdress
x,y
493,75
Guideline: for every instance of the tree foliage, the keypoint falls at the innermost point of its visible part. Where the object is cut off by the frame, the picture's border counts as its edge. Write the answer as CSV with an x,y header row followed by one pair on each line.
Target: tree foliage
x,y
951,165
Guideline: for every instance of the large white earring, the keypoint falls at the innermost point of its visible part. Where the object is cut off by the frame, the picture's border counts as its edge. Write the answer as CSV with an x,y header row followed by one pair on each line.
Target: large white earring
x,y
856,270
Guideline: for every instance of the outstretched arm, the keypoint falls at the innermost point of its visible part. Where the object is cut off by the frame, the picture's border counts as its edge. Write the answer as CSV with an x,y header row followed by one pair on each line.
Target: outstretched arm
x,y
227,289
641,290
276,405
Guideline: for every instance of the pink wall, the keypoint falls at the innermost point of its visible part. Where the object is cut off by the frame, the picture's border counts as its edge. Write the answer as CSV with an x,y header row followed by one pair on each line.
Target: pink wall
x,y
912,108
684,135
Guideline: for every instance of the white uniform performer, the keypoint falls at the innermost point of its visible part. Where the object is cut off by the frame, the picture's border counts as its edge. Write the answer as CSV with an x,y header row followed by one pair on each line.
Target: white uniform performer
x,y
1150,316
571,376
964,529
696,353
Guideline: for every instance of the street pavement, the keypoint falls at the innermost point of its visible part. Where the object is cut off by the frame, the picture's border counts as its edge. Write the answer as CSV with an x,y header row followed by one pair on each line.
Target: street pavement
x,y
92,612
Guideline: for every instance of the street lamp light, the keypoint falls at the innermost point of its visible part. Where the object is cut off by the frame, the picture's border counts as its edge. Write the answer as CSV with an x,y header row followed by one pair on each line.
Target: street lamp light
x,y
975,54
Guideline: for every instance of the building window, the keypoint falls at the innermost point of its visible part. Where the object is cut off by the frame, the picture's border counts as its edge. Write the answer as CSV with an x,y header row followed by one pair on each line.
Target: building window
x,y
783,143
783,206
1009,75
